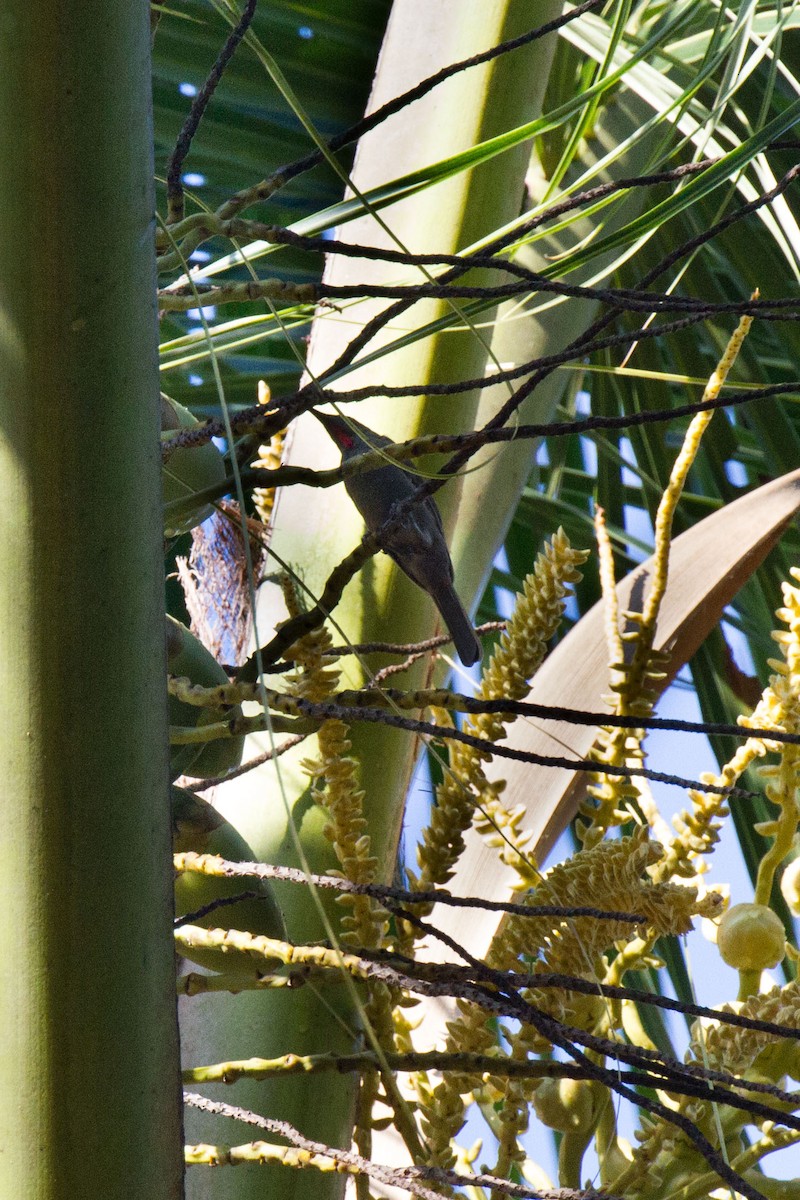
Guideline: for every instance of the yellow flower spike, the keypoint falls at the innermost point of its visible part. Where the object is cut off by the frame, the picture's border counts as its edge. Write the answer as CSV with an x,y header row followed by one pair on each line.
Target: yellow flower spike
x,y
681,467
363,925
341,795
746,1051
609,589
752,936
615,875
513,1117
630,679
466,794
269,457
779,708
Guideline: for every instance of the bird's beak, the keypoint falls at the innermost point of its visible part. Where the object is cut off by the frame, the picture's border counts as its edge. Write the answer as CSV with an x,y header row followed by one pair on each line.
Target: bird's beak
x,y
335,427
331,422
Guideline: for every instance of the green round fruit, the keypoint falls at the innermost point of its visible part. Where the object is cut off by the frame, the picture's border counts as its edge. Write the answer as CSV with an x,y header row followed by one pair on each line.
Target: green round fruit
x,y
186,472
751,937
197,826
187,656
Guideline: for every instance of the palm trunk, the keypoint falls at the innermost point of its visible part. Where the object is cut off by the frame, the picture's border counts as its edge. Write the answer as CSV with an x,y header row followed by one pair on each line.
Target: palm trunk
x,y
89,1102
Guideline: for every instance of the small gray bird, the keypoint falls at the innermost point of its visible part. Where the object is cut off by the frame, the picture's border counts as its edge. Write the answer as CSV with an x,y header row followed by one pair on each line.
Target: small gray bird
x,y
418,546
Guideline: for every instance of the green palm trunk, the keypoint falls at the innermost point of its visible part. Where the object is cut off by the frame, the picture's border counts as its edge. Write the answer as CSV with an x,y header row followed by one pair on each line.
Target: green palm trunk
x,y
89,1103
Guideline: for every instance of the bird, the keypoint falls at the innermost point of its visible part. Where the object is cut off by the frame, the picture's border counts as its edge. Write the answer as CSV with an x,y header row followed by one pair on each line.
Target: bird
x,y
418,544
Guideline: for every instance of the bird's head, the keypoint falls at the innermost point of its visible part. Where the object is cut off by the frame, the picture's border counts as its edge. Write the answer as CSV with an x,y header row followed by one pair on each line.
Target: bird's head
x,y
347,434
339,430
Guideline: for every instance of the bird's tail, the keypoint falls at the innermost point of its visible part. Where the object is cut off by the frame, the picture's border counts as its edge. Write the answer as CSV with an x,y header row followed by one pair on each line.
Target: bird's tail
x,y
461,631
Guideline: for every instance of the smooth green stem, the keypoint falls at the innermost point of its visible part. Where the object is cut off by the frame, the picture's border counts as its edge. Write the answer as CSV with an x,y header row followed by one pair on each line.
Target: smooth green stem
x,y
89,1080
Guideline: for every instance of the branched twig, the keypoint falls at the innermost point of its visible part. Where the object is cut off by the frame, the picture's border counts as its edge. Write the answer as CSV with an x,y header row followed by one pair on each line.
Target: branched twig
x,y
253,420
409,1178
456,702
202,785
178,299
282,176
383,892
326,711
199,104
